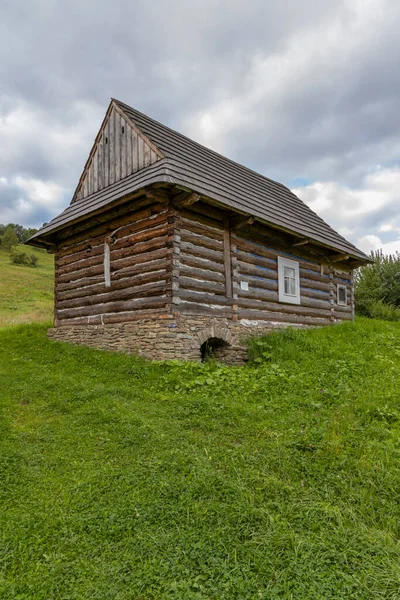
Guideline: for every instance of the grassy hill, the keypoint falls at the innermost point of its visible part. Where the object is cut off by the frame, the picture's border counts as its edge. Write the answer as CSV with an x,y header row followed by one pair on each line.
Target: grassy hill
x,y
26,293
122,479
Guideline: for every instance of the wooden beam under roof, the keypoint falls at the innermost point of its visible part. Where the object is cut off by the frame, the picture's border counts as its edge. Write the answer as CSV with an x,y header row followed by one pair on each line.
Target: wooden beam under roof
x,y
241,221
339,257
185,199
301,242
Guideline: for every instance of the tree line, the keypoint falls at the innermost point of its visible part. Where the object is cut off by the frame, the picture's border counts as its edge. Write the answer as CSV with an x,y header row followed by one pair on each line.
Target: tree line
x,y
13,234
377,287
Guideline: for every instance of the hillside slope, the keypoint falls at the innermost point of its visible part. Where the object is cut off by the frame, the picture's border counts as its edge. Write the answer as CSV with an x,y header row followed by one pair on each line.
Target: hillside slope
x,y
26,293
122,479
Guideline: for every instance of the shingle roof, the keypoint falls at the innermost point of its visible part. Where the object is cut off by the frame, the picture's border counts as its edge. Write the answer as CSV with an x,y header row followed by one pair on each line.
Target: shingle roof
x,y
194,166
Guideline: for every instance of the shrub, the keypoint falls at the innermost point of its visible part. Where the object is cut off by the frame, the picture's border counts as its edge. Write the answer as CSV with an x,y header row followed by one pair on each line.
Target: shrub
x,y
19,257
378,285
9,238
380,310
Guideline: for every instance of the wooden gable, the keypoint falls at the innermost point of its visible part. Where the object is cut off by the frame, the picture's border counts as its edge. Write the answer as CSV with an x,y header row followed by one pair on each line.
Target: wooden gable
x,y
119,150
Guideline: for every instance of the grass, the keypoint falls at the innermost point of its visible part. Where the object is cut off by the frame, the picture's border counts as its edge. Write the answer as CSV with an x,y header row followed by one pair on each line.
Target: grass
x,y
26,293
122,479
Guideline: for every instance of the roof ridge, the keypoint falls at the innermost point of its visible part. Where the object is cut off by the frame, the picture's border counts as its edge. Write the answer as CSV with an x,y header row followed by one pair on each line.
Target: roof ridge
x,y
252,171
241,166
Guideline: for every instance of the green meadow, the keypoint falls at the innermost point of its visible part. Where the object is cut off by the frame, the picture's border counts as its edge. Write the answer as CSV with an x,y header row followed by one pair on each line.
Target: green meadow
x,y
128,480
26,293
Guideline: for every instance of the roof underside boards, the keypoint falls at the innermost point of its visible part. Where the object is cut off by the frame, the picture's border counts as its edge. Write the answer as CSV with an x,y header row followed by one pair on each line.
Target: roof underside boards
x,y
191,165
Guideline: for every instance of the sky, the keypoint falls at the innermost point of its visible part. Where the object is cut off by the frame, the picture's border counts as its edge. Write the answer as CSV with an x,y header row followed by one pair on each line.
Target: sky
x,y
304,92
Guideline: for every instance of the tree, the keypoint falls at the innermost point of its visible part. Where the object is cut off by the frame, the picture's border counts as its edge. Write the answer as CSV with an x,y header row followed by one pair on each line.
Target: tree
x,y
9,238
379,282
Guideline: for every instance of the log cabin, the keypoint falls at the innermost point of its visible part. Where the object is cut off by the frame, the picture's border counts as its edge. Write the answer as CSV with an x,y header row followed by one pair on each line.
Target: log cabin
x,y
170,250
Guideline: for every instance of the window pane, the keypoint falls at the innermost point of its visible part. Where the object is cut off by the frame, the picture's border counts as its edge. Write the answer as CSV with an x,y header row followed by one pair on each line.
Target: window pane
x,y
342,295
289,272
293,287
287,285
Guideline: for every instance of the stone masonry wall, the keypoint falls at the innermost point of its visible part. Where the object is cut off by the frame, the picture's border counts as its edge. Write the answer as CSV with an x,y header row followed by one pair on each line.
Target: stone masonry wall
x,y
169,337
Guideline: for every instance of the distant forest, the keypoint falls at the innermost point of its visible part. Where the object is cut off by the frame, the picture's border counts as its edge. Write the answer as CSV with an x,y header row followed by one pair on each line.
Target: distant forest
x,y
17,233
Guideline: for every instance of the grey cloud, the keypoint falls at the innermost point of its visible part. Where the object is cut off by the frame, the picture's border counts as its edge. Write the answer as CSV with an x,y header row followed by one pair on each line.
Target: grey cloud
x,y
332,119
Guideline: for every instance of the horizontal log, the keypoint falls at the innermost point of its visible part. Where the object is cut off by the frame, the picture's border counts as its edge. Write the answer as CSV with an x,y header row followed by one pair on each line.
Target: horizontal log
x,y
202,263
142,236
99,288
246,246
146,263
256,294
204,298
201,285
98,241
116,265
257,271
343,309
112,307
121,317
307,274
315,285
245,257
106,222
146,290
89,251
204,273
80,274
82,282
136,247
142,225
195,308
313,293
284,308
267,252
256,282
215,233
155,243
155,260
201,240
275,317
136,315
198,252
81,265
156,250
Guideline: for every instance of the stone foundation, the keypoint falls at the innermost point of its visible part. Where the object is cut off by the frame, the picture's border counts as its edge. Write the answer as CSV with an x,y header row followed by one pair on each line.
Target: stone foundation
x,y
170,337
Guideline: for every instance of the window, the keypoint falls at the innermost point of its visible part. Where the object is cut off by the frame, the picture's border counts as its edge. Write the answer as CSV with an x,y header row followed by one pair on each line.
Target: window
x,y
288,280
342,295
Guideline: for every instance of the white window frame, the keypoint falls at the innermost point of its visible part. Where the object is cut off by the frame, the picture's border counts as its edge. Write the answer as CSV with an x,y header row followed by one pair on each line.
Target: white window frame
x,y
343,287
291,264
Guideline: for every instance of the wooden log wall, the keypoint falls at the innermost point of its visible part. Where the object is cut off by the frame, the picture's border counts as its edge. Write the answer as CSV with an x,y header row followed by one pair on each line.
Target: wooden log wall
x,y
205,284
202,274
153,259
120,149
140,254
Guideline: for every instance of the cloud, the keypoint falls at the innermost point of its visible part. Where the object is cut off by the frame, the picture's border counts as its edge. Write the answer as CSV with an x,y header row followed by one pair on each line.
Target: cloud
x,y
299,91
30,202
373,206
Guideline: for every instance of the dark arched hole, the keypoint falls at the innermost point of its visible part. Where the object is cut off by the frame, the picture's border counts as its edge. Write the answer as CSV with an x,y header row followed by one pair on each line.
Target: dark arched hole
x,y
211,348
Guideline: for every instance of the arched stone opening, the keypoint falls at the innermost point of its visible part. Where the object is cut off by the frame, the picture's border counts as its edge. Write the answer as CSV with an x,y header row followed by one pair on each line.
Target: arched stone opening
x,y
214,347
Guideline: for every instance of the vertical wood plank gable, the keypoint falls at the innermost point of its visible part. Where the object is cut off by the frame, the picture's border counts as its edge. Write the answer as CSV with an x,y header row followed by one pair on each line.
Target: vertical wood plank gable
x,y
123,148
117,139
120,151
112,147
